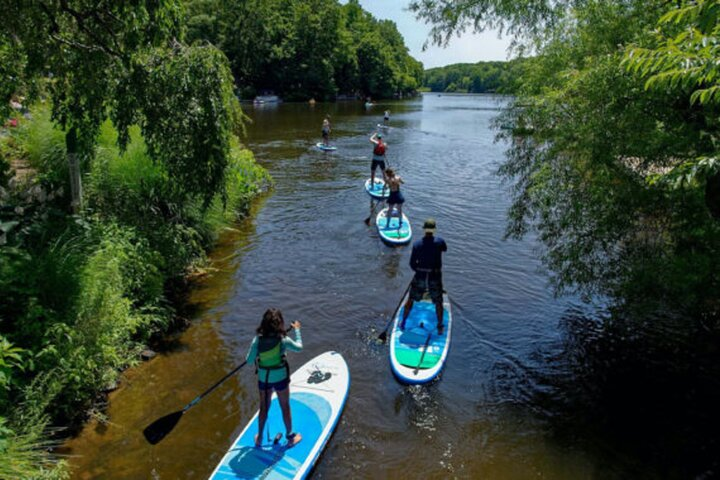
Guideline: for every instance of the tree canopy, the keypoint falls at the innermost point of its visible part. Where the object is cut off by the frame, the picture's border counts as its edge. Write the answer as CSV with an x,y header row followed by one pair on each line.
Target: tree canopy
x,y
615,137
481,77
306,49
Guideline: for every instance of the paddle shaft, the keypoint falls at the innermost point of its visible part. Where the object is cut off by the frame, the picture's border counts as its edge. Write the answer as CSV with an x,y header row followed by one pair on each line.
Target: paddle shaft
x,y
422,357
217,384
383,335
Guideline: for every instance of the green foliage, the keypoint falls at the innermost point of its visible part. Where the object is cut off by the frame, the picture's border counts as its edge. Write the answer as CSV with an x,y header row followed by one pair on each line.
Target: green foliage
x,y
81,296
606,167
10,358
685,52
306,49
25,455
481,77
77,40
193,145
532,19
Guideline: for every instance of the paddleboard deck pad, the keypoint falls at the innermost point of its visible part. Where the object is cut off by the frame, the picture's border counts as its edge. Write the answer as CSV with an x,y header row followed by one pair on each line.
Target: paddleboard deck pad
x,y
325,148
376,191
418,352
388,229
318,391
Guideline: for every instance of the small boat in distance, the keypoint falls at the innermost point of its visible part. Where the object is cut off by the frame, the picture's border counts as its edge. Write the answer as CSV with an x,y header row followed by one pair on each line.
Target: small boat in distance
x,y
262,99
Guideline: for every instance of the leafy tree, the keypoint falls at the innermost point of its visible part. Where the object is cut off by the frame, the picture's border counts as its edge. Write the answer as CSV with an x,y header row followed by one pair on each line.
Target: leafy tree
x,y
595,156
306,49
73,40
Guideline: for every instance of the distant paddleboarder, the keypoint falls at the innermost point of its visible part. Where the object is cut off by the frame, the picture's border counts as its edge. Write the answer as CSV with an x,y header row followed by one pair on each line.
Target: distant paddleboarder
x,y
426,262
386,118
378,157
326,131
268,352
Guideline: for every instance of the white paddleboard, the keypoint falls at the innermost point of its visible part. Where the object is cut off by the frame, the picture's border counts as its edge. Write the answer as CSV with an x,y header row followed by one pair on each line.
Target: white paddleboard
x,y
376,191
318,391
388,228
418,353
325,148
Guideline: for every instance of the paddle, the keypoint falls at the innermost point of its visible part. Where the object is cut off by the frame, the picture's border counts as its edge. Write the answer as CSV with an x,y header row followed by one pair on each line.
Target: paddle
x,y
422,357
383,335
157,430
372,212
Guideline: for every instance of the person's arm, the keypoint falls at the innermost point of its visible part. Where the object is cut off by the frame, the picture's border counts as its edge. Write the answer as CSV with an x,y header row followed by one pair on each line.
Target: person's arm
x,y
413,259
373,139
443,247
294,345
252,352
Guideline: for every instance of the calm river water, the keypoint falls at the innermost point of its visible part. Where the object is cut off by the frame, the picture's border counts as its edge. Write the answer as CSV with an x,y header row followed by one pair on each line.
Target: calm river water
x,y
499,409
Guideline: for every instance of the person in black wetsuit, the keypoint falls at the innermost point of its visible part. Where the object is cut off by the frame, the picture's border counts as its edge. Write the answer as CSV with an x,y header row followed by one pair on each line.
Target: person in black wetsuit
x,y
426,262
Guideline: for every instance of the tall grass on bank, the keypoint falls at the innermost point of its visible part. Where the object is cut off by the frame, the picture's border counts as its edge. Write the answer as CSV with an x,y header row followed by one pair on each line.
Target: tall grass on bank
x,y
81,295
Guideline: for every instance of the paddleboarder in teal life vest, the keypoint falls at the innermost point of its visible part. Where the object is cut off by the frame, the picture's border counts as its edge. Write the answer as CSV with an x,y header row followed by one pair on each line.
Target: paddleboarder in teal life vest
x,y
268,352
378,158
426,262
326,131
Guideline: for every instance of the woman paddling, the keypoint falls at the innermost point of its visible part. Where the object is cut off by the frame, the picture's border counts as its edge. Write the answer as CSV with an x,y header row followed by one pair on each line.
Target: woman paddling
x,y
396,198
268,352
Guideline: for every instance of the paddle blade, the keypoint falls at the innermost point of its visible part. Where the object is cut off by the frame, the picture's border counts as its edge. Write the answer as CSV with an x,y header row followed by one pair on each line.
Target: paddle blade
x,y
367,221
157,430
383,336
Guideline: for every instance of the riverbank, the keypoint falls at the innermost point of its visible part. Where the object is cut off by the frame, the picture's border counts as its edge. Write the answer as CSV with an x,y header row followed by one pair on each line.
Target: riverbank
x,y
83,295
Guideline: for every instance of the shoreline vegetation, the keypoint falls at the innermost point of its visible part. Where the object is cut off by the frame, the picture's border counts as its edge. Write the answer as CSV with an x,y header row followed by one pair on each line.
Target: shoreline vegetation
x,y
85,294
480,77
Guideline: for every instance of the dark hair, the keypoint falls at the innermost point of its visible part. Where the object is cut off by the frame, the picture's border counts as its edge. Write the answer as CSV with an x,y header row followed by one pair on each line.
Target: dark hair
x,y
390,172
272,324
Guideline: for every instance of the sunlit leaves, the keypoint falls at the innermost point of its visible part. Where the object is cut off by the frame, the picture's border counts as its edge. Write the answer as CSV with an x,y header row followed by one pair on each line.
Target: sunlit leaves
x,y
686,52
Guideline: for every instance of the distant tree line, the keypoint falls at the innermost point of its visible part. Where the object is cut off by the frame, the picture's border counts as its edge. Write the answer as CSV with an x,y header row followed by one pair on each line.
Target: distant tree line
x,y
301,49
481,77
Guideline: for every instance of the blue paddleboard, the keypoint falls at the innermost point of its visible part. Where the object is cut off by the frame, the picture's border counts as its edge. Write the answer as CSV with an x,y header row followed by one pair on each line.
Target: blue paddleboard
x,y
388,228
376,191
418,352
318,391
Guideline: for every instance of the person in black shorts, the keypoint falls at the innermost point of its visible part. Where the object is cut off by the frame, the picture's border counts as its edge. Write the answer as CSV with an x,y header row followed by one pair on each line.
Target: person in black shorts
x,y
426,262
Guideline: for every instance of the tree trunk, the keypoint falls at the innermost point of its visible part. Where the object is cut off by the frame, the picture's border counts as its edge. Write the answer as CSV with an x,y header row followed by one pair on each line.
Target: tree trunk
x,y
74,168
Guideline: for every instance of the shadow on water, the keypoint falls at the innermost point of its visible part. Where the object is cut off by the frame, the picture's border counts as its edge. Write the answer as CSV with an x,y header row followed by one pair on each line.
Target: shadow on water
x,y
640,397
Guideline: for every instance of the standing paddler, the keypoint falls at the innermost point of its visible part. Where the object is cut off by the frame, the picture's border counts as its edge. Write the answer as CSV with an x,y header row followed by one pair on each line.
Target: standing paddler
x,y
378,157
326,130
426,262
268,352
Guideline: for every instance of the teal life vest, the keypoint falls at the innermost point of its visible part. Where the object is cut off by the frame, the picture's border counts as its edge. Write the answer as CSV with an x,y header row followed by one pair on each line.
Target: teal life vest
x,y
270,356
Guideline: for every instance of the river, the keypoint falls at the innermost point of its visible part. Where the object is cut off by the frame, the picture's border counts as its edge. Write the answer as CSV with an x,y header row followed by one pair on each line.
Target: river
x,y
498,409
